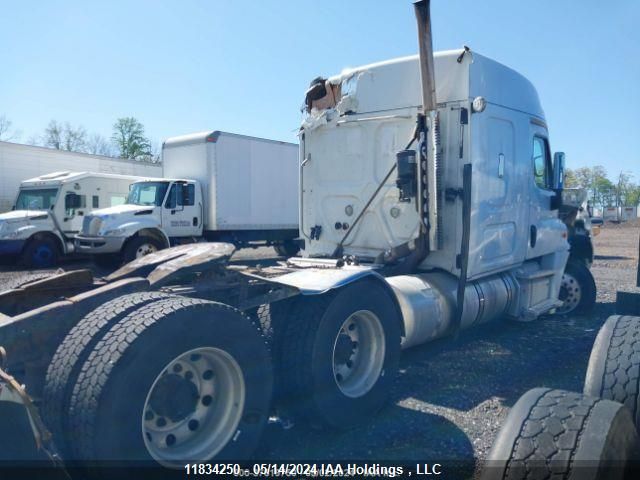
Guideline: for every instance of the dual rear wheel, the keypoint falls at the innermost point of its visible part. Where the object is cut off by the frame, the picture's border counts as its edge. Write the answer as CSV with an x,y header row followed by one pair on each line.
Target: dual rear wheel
x,y
161,379
336,355
152,377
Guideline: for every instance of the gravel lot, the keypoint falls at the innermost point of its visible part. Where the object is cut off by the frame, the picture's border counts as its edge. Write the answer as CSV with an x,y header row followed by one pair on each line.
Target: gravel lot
x,y
452,395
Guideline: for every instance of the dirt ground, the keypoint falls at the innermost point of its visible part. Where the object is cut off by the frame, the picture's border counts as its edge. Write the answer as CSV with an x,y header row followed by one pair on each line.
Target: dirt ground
x,y
452,395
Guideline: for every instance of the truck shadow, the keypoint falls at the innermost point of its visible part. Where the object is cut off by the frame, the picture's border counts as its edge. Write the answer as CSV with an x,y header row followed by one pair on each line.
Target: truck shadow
x,y
501,360
397,433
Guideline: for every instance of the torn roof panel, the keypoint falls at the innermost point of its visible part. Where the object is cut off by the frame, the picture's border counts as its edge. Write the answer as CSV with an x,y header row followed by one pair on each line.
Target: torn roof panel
x,y
395,84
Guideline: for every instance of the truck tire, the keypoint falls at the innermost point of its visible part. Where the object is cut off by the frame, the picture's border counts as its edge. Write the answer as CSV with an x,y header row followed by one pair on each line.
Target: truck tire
x,y
179,380
73,352
138,247
337,355
614,364
41,253
577,290
557,434
287,249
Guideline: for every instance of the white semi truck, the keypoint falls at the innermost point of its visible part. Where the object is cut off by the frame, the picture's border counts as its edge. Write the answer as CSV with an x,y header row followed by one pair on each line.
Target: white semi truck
x,y
217,186
48,212
429,204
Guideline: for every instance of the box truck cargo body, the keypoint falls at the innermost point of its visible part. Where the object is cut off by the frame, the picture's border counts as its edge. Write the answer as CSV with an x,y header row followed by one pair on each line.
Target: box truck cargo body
x,y
217,186
248,183
18,162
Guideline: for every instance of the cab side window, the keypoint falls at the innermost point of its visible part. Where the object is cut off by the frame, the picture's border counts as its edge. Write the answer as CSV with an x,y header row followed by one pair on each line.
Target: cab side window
x,y
181,195
542,169
189,195
172,198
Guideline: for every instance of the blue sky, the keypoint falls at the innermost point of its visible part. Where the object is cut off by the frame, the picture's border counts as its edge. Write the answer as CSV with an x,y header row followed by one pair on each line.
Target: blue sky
x,y
243,66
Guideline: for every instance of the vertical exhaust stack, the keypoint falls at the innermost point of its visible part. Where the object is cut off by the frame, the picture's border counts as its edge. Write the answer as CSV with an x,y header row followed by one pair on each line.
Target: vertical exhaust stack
x,y
430,170
423,16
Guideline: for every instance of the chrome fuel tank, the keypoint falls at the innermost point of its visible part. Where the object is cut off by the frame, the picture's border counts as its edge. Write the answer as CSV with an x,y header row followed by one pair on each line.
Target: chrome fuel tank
x,y
428,303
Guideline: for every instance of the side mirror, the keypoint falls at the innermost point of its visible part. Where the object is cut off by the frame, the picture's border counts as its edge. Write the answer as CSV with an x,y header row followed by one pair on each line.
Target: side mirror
x,y
558,180
558,170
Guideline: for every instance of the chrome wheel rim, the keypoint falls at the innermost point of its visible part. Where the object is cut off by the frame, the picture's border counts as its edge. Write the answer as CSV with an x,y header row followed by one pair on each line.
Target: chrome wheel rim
x,y
193,407
570,293
358,353
145,249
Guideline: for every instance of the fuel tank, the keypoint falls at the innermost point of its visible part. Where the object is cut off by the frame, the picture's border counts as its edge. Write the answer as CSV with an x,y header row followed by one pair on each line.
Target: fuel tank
x,y
428,303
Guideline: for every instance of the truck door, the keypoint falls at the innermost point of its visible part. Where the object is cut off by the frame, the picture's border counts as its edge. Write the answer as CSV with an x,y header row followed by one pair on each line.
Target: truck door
x,y
544,229
181,212
499,195
75,206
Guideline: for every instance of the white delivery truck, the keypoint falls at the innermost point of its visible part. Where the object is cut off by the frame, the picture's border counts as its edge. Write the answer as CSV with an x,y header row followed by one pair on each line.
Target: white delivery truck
x,y
48,211
217,186
18,162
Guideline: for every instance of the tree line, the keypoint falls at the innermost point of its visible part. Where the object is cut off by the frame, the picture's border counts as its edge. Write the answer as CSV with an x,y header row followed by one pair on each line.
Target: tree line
x,y
621,191
128,139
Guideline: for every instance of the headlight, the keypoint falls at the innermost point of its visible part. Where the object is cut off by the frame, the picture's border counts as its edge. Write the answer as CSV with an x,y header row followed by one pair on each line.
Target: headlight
x,y
116,232
7,234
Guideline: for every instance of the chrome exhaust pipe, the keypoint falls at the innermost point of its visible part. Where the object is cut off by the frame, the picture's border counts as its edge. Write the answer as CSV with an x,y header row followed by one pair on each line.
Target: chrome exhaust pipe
x,y
430,169
427,77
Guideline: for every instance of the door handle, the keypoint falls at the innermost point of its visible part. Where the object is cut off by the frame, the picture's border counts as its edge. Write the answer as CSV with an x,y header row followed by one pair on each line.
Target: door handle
x,y
533,236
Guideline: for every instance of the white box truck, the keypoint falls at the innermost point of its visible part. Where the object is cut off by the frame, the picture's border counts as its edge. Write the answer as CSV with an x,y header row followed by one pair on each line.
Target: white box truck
x,y
18,162
48,211
217,186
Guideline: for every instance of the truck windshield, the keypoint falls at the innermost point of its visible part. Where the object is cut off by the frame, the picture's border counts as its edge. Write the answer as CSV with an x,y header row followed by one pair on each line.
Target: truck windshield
x,y
147,193
36,199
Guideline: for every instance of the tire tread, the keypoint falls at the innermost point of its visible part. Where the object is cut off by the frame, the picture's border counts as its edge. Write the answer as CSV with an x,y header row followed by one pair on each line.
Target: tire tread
x,y
621,377
96,371
74,351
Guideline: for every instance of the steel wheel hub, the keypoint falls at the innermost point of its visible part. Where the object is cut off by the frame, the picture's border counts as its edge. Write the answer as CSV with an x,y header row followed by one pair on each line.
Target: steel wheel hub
x,y
193,407
358,353
43,253
570,293
145,249
174,397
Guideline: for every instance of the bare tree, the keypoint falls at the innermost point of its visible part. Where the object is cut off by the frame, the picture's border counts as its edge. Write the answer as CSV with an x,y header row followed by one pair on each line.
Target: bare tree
x,y
75,139
53,135
99,145
65,137
34,140
6,132
155,152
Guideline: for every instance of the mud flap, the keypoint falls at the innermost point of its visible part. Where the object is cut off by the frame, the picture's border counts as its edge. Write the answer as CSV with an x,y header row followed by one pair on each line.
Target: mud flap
x,y
25,441
17,444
